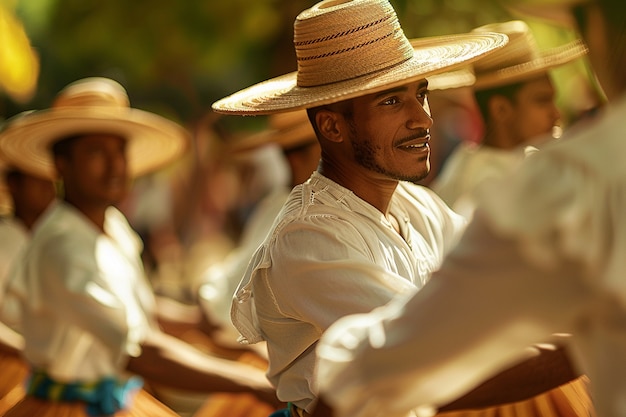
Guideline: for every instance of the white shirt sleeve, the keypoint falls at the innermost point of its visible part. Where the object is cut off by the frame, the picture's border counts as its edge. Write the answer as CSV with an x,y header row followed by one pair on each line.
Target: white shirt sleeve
x,y
474,318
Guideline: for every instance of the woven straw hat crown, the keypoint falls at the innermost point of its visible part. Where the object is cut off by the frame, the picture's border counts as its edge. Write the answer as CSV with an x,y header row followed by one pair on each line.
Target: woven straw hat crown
x,y
91,106
93,92
336,43
348,48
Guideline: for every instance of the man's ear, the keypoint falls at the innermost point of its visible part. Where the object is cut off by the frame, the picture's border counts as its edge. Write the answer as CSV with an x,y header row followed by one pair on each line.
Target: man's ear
x,y
329,124
500,108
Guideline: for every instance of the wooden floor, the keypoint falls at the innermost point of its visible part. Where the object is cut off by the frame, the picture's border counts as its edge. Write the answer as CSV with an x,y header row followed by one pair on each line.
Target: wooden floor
x,y
568,400
234,405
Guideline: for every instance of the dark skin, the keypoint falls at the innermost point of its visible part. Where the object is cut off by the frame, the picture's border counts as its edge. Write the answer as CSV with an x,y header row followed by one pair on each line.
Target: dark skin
x,y
30,195
383,141
371,143
530,114
94,171
549,369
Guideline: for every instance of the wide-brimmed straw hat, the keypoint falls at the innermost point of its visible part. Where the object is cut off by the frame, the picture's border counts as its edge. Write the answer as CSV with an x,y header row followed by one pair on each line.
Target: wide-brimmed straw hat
x,y
348,48
91,106
289,130
521,59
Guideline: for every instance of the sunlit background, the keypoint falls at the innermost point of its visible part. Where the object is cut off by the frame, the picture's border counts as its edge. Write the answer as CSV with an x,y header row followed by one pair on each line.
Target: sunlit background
x,y
177,57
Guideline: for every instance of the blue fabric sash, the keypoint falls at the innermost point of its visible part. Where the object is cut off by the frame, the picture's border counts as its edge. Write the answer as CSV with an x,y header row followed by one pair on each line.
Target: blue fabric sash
x,y
102,398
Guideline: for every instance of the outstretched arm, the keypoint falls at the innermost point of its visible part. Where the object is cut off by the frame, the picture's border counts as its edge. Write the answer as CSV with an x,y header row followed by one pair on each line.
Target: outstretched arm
x,y
548,370
477,316
169,361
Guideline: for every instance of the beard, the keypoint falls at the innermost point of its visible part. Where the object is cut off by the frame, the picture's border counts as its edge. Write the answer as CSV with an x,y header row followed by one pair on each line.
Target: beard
x,y
365,155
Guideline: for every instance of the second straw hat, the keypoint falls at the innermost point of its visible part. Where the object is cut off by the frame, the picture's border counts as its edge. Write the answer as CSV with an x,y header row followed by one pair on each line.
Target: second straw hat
x,y
88,106
521,59
288,130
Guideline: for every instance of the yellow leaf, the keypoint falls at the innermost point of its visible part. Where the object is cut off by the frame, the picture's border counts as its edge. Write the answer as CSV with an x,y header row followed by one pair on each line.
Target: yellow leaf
x,y
19,64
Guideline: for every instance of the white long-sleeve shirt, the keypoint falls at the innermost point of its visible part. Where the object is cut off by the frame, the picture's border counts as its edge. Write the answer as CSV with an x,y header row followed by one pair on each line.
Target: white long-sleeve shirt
x,y
84,295
331,254
13,239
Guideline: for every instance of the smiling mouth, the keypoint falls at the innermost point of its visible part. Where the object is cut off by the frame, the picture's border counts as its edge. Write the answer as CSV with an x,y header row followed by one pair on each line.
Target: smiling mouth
x,y
422,143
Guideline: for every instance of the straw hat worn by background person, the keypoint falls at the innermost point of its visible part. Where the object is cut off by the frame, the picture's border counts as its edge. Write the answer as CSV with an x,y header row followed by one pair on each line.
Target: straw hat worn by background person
x,y
335,64
504,74
288,130
521,59
92,105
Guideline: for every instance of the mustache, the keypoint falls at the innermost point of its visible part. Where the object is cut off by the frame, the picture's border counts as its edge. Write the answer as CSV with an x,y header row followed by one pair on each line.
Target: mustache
x,y
420,134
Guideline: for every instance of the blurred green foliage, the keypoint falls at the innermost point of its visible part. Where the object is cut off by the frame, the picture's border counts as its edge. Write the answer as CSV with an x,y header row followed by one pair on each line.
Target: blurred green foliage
x,y
176,57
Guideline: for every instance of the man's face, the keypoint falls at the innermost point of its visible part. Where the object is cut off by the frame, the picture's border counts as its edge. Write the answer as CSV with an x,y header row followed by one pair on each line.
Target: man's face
x,y
96,170
534,111
390,132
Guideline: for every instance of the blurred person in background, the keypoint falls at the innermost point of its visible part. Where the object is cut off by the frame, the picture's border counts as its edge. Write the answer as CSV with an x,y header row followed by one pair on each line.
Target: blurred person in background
x,y
27,197
87,312
516,98
23,199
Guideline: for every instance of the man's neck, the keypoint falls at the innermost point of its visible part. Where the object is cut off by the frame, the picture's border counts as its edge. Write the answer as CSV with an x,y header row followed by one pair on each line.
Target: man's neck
x,y
496,138
95,213
26,218
375,191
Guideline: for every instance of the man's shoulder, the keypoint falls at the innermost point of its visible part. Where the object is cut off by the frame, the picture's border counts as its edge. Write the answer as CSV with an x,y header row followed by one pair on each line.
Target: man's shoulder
x,y
58,227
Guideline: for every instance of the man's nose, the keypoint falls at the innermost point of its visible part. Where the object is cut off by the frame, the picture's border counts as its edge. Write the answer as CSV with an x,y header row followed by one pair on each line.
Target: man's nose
x,y
419,116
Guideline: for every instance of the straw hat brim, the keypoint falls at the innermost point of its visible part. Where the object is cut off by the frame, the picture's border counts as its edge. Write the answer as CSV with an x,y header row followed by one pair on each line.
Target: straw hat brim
x,y
283,94
286,139
550,59
153,141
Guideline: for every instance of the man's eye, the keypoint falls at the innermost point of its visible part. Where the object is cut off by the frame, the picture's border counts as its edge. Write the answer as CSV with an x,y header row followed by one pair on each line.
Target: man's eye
x,y
390,100
423,94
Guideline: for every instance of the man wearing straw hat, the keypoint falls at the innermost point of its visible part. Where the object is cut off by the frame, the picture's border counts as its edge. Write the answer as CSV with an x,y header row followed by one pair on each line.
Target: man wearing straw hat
x,y
515,97
358,232
544,254
87,311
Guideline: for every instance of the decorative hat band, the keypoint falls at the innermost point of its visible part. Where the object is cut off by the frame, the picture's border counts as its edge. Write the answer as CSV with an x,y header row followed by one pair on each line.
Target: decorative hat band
x,y
339,46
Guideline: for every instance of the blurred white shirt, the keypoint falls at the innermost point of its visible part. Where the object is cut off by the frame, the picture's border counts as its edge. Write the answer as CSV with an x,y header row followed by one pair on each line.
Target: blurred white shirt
x,y
85,299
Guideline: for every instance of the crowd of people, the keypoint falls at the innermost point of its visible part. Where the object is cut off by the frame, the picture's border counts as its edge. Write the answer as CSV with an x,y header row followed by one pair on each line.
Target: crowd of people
x,y
326,279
